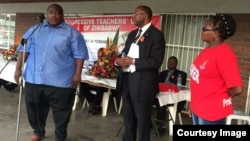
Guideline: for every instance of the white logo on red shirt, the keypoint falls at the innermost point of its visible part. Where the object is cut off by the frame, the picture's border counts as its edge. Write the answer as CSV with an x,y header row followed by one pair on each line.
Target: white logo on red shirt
x,y
203,65
194,73
227,102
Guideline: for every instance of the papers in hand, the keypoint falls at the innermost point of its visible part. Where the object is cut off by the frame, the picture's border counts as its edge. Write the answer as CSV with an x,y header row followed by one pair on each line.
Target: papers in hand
x,y
133,53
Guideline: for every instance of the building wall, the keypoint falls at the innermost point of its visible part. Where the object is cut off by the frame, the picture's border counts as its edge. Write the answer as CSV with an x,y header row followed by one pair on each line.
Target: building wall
x,y
240,43
24,21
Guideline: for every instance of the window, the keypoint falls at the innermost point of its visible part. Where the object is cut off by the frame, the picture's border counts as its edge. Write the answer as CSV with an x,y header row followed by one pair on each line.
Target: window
x,y
7,30
182,35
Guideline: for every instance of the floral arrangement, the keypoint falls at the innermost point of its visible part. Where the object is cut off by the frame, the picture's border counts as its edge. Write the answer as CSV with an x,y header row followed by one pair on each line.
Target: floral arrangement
x,y
10,54
104,67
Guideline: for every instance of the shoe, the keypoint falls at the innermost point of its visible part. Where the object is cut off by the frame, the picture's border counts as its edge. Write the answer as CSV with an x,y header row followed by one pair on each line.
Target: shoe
x,y
96,110
91,107
10,86
35,138
90,110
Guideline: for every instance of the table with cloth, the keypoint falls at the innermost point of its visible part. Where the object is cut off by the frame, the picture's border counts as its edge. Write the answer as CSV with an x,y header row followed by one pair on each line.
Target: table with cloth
x,y
173,98
110,84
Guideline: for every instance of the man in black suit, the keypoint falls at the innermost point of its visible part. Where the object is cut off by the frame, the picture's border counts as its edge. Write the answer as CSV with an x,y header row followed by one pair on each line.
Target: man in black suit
x,y
138,76
169,76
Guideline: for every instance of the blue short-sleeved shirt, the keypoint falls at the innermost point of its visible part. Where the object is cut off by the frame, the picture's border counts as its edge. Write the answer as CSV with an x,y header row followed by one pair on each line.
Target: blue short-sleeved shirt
x,y
52,53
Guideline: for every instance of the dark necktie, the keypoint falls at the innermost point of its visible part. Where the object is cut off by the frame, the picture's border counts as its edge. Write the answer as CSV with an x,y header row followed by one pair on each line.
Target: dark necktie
x,y
138,35
170,72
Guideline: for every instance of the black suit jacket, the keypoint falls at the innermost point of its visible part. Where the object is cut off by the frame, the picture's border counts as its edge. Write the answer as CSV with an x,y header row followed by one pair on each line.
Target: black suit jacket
x,y
142,84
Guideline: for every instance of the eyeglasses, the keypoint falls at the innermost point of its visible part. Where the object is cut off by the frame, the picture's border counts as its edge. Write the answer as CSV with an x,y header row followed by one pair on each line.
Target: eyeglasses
x,y
205,29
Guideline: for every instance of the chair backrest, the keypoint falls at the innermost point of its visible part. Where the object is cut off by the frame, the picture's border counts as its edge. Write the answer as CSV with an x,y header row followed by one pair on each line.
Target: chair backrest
x,y
247,108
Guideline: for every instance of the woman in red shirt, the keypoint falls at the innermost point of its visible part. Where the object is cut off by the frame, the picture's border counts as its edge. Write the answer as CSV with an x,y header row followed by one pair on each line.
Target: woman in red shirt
x,y
214,75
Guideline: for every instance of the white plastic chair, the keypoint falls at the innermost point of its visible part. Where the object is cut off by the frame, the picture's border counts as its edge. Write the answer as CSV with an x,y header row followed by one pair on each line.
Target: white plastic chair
x,y
120,107
184,111
105,101
180,118
85,103
240,116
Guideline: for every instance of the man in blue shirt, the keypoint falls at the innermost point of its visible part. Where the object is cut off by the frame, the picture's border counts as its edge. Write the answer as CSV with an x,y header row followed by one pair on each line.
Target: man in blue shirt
x,y
54,56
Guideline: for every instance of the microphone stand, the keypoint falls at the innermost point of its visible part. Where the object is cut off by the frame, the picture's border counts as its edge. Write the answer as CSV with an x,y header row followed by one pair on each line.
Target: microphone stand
x,y
23,42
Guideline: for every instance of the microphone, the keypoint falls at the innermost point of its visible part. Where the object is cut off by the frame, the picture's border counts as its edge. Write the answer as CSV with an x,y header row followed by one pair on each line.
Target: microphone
x,y
23,41
41,18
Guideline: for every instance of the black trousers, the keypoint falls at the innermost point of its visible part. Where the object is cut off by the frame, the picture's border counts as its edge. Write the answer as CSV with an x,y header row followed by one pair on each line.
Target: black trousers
x,y
40,98
136,115
85,92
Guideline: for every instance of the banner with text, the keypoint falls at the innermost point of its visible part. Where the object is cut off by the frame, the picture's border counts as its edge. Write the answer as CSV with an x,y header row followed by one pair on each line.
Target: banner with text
x,y
96,29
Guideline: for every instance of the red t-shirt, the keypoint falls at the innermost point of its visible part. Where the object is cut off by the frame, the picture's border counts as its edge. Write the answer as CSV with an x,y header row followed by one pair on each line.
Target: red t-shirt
x,y
211,74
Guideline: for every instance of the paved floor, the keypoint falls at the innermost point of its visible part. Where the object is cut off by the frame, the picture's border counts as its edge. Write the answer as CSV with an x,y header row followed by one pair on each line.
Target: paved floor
x,y
82,126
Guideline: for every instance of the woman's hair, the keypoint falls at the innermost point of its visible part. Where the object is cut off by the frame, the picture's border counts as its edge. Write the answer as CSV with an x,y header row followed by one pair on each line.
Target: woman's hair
x,y
225,25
